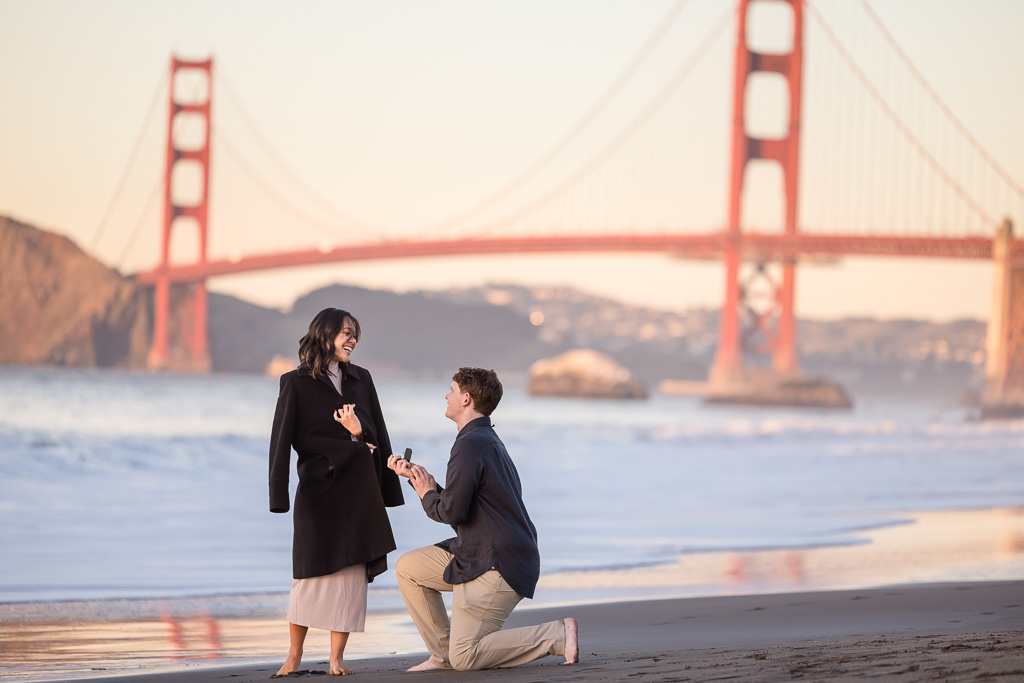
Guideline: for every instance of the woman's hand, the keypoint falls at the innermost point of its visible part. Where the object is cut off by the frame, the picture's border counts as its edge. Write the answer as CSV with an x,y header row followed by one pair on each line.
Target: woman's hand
x,y
400,465
346,417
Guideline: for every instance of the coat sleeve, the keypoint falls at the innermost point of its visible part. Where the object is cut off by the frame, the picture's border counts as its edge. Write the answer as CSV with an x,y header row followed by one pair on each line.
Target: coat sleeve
x,y
390,486
281,446
453,503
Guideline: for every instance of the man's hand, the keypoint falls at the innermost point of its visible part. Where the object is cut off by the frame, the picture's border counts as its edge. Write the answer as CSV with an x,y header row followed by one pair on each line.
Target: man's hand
x,y
400,465
421,480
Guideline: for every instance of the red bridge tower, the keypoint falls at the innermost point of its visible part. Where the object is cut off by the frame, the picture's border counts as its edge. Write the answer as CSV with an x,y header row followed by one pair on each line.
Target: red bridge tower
x,y
186,200
747,320
1004,371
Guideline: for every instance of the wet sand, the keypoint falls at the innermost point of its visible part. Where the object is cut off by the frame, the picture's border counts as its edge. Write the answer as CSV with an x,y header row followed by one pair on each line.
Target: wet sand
x,y
951,632
937,598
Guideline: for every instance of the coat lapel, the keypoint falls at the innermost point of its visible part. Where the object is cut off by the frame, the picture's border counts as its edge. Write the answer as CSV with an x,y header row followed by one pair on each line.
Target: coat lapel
x,y
325,378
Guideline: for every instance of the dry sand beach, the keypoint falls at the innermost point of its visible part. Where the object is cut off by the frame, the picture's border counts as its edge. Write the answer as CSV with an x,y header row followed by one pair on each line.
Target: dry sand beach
x,y
938,599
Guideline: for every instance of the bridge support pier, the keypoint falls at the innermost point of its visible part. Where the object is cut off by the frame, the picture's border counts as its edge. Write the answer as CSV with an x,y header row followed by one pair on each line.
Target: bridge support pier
x,y
1004,369
179,339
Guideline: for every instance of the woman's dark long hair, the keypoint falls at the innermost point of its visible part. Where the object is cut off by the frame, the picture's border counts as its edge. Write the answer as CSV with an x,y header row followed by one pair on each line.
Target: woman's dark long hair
x,y
316,349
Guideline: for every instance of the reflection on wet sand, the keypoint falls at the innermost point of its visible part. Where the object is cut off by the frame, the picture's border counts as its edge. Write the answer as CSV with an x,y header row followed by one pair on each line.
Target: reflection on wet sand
x,y
48,649
81,639
928,547
209,635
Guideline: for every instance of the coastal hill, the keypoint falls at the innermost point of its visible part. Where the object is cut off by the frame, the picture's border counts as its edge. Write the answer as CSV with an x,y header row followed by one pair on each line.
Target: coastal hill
x,y
59,306
404,335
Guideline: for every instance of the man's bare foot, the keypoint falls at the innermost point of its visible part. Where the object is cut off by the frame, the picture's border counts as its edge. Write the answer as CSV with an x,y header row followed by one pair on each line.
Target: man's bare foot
x,y
572,640
339,669
429,666
290,664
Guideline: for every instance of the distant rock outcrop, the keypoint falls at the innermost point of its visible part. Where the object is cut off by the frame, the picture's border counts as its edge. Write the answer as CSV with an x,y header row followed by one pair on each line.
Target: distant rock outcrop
x,y
794,392
279,365
583,373
62,307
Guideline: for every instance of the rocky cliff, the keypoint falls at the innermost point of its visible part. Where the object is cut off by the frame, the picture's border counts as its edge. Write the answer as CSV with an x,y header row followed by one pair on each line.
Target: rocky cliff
x,y
60,306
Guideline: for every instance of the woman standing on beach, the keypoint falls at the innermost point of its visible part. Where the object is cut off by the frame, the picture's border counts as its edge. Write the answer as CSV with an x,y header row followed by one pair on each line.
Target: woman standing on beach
x,y
328,411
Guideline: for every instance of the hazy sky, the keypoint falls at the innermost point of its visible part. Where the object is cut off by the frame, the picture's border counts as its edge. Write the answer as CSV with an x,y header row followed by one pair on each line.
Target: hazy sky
x,y
404,113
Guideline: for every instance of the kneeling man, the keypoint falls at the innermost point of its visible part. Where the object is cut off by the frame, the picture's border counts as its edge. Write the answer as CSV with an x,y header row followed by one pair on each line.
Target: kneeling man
x,y
493,561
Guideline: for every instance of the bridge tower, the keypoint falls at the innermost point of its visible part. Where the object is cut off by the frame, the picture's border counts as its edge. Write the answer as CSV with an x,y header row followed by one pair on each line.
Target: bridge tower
x,y
1004,370
186,195
745,317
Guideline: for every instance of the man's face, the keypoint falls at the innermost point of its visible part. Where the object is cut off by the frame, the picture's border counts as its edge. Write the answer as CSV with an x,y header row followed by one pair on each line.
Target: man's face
x,y
454,397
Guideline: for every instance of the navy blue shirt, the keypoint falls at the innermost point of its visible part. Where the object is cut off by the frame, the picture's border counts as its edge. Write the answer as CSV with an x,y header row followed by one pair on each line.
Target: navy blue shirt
x,y
483,501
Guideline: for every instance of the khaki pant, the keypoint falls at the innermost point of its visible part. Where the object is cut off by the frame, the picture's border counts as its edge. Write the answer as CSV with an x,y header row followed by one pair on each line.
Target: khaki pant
x,y
473,639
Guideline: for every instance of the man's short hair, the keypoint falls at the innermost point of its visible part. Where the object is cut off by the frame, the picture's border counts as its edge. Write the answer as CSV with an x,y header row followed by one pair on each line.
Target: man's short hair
x,y
482,386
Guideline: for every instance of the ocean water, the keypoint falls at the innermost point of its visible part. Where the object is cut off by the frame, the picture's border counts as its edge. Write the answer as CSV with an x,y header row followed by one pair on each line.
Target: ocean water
x,y
128,485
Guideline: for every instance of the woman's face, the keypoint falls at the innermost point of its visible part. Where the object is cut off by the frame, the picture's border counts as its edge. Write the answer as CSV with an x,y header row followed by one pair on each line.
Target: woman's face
x,y
345,342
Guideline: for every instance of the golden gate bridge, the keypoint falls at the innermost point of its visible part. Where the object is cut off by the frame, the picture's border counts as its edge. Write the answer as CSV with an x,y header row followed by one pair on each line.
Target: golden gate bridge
x,y
912,184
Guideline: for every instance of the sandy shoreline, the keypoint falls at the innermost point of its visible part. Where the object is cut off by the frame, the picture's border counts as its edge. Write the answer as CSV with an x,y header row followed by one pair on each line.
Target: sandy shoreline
x,y
950,632
938,596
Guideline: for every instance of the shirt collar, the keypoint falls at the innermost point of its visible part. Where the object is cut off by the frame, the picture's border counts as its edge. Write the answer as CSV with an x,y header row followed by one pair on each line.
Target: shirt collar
x,y
484,421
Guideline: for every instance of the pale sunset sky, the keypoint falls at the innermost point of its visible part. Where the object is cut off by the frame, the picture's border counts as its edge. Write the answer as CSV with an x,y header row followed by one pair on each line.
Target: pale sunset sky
x,y
353,121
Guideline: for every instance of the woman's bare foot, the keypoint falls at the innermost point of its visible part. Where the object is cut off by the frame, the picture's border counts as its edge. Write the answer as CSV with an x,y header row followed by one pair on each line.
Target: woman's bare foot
x,y
429,666
339,669
572,640
291,663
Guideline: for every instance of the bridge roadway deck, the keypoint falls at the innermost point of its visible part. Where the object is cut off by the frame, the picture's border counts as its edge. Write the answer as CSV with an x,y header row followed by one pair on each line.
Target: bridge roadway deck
x,y
753,246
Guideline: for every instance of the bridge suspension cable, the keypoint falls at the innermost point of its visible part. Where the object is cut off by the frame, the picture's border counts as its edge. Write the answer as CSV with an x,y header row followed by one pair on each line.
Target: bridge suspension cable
x,y
574,131
133,236
625,134
897,121
143,131
329,230
285,169
973,141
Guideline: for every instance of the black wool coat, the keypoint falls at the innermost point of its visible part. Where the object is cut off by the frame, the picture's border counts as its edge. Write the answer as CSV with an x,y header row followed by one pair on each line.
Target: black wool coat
x,y
340,517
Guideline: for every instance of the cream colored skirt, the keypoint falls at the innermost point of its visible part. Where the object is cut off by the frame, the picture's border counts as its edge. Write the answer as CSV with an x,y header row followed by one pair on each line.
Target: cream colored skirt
x,y
336,602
